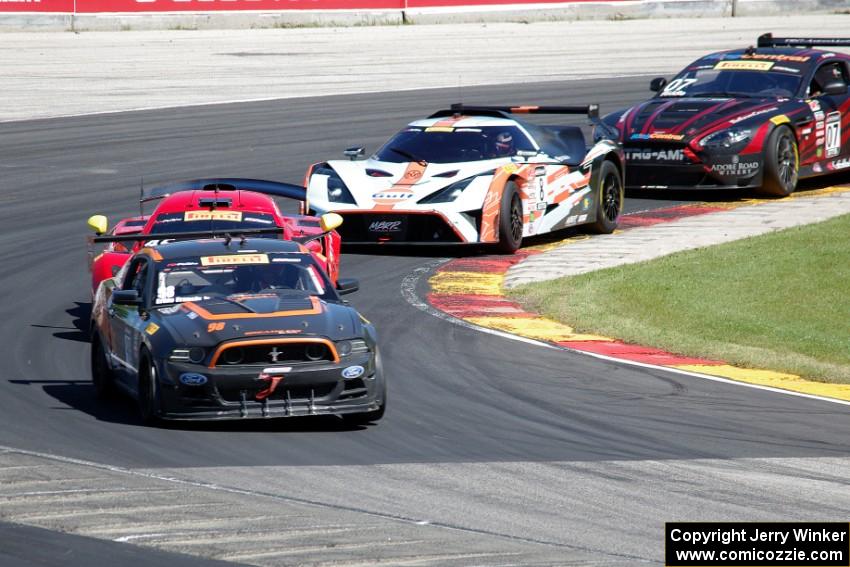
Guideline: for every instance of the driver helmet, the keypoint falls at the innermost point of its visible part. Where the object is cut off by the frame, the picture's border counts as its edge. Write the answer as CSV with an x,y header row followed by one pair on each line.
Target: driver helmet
x,y
504,144
246,279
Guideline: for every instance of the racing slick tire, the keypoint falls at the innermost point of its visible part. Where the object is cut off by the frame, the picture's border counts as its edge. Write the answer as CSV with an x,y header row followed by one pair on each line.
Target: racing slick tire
x,y
102,378
510,220
609,202
374,415
148,391
366,417
781,163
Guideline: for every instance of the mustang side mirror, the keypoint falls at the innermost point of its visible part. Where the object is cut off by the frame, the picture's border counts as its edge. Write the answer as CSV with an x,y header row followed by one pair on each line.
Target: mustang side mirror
x,y
345,286
354,153
657,84
126,297
329,221
98,224
835,88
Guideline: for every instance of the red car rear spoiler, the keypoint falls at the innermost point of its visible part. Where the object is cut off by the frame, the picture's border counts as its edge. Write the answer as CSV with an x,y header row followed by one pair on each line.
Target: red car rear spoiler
x,y
198,234
273,188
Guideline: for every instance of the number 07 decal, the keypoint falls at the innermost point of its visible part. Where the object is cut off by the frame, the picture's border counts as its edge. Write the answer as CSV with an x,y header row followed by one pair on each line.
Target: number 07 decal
x,y
677,87
833,134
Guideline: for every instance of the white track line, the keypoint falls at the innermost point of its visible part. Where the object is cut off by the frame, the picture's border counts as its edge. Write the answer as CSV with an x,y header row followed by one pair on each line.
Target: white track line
x,y
408,291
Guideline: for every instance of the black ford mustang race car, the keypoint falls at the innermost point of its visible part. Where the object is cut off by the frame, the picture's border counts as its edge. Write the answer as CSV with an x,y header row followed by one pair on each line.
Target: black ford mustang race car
x,y
757,118
234,328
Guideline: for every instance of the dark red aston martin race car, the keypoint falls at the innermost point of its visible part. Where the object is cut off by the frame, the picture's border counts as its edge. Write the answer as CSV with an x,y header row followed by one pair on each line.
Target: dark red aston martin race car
x,y
216,205
759,118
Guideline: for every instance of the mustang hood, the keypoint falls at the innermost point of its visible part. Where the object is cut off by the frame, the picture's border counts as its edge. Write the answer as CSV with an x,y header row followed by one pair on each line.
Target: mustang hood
x,y
681,120
374,182
260,316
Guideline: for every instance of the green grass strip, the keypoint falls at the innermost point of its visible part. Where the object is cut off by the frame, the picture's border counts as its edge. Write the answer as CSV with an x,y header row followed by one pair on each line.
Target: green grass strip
x,y
780,301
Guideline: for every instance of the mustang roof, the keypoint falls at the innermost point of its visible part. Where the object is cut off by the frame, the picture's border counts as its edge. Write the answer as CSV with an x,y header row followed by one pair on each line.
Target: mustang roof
x,y
216,246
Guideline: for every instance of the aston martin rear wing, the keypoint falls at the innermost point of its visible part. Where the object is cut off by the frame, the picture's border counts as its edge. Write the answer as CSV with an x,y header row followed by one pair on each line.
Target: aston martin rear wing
x,y
273,188
767,40
591,110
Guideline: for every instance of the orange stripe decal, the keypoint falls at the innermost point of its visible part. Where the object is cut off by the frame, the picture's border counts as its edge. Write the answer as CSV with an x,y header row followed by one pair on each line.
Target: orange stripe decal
x,y
401,190
572,187
493,203
448,122
314,310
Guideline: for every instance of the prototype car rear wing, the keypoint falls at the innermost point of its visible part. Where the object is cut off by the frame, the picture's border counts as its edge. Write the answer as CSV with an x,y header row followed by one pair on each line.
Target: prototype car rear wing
x,y
767,40
600,129
591,110
273,188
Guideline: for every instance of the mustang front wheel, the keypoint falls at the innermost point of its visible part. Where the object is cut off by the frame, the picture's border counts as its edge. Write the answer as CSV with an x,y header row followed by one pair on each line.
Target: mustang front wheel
x,y
781,163
147,390
374,415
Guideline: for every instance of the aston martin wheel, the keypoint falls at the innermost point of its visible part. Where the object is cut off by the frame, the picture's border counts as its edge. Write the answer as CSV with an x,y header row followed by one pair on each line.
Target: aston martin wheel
x,y
510,220
781,163
101,375
609,201
148,397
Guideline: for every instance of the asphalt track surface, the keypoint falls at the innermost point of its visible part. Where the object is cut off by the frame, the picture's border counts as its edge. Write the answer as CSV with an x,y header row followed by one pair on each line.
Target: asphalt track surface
x,y
568,459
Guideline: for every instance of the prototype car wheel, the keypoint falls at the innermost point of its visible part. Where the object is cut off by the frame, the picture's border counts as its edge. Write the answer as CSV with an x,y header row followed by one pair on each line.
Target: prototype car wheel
x,y
101,375
781,163
510,220
609,201
148,397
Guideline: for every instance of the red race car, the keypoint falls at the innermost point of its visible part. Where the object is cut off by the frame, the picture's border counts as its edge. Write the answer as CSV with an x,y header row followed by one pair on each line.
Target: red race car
x,y
192,207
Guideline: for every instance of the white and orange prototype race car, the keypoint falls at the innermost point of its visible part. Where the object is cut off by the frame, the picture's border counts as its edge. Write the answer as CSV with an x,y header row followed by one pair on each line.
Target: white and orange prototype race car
x,y
472,175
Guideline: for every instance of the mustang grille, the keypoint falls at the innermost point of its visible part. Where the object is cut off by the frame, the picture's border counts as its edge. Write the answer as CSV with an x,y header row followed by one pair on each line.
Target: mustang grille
x,y
274,353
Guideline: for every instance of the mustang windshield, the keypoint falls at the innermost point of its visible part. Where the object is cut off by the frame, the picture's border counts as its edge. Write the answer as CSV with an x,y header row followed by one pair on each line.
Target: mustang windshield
x,y
715,82
205,277
453,145
218,219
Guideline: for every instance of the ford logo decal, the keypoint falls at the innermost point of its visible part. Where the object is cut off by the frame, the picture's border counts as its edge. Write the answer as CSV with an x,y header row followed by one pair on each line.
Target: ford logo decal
x,y
192,379
353,372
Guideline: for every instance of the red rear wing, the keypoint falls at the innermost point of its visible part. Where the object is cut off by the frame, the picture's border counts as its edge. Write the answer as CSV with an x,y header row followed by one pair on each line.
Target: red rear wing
x,y
273,188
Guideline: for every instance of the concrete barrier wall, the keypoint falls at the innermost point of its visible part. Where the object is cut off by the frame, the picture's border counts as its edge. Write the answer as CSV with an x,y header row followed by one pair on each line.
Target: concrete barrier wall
x,y
214,14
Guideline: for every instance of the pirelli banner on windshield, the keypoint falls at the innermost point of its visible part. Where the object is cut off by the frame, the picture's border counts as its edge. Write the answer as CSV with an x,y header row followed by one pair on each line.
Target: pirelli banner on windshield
x,y
757,544
135,6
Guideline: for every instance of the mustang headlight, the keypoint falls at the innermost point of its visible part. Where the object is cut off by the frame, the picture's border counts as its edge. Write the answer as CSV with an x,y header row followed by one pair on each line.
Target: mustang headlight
x,y
726,139
354,346
195,355
448,194
337,190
